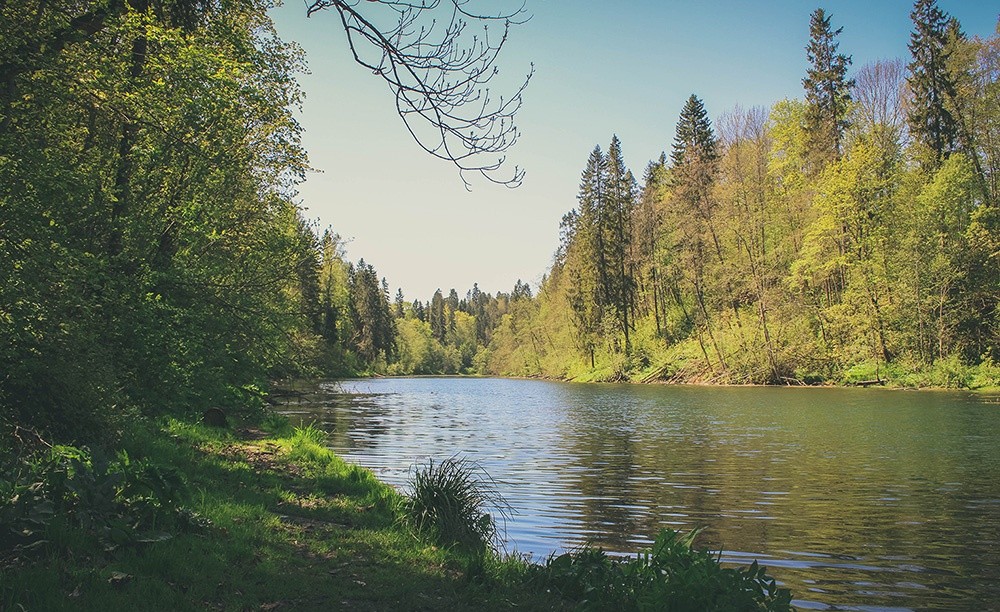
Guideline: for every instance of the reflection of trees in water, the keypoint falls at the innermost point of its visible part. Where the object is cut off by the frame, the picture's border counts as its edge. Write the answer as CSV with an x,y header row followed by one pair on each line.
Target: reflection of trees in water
x,y
351,420
610,506
844,493
839,486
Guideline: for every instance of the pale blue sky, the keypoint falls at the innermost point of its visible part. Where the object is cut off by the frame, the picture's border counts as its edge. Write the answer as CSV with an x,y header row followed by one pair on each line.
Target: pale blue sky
x,y
601,68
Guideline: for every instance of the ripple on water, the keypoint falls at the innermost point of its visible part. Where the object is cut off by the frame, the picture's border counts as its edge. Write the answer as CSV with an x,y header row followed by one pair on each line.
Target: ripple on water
x,y
854,499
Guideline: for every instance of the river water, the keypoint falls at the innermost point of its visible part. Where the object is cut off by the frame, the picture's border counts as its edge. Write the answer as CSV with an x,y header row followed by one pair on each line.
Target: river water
x,y
856,499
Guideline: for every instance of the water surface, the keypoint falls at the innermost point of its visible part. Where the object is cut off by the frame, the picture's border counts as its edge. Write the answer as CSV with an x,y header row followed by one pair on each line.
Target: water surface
x,y
856,499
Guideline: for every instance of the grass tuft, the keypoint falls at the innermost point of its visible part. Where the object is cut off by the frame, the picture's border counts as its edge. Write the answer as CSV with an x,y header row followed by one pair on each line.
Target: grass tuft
x,y
456,503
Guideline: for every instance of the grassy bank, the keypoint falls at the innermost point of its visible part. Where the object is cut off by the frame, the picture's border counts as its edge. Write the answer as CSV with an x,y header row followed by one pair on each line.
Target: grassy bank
x,y
949,373
187,517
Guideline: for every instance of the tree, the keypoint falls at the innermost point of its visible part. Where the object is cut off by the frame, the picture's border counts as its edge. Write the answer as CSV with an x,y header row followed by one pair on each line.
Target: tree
x,y
931,84
439,75
615,217
975,66
691,213
694,139
436,316
437,70
149,157
750,206
828,92
374,330
585,256
878,90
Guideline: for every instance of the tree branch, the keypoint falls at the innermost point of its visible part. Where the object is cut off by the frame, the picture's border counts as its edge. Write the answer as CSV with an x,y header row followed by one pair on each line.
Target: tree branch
x,y
439,74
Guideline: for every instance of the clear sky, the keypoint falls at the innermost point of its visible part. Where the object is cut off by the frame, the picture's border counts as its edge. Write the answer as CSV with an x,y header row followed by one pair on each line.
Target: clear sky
x,y
601,68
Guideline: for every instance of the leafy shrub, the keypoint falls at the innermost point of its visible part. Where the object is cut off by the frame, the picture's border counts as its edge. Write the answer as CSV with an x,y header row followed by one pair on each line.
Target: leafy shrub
x,y
672,575
450,501
120,501
987,374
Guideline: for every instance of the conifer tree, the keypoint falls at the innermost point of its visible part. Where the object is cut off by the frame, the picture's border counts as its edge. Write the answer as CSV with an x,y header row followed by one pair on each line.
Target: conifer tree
x,y
694,134
828,92
695,157
399,312
619,201
584,253
931,84
436,316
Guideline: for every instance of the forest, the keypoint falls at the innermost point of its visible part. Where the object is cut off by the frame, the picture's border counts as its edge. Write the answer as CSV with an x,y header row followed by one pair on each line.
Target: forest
x,y
851,236
160,284
154,258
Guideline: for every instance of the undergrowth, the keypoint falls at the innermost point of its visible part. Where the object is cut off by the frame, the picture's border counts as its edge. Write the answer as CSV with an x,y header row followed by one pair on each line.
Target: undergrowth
x,y
672,575
193,518
455,502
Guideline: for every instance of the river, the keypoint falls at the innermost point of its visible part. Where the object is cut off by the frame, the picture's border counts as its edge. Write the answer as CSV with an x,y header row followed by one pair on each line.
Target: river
x,y
856,499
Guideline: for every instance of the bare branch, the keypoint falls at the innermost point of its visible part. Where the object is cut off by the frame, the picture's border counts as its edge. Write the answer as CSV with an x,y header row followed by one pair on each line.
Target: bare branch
x,y
439,72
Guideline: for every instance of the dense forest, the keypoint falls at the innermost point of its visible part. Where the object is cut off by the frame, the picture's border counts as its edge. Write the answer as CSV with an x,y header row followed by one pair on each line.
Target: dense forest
x,y
154,259
849,236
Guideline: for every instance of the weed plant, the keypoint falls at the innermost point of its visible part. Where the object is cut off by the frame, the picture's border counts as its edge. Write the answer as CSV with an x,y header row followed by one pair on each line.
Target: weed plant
x,y
118,500
673,576
455,502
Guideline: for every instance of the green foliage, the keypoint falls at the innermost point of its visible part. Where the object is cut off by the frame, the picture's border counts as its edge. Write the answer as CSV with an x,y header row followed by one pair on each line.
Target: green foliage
x,y
119,501
455,502
672,575
828,92
152,259
789,249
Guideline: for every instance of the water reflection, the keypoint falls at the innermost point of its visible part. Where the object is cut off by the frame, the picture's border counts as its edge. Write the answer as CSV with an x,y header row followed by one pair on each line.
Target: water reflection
x,y
857,499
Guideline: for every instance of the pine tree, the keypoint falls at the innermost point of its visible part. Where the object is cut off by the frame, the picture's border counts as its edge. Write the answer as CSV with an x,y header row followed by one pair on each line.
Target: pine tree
x,y
694,134
930,82
591,197
399,311
618,205
436,316
419,311
695,158
828,92
695,165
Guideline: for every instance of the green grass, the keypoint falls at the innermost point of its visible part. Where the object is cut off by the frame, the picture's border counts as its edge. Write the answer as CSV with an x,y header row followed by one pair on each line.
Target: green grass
x,y
456,503
272,520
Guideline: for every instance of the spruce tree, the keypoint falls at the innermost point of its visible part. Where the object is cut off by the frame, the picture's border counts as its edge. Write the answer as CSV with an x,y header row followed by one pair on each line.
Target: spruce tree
x,y
592,198
828,92
930,82
437,316
694,134
584,253
617,207
695,157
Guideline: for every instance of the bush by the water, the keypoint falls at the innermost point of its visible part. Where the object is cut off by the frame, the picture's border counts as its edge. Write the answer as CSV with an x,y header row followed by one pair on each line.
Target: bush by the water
x,y
118,500
673,575
456,502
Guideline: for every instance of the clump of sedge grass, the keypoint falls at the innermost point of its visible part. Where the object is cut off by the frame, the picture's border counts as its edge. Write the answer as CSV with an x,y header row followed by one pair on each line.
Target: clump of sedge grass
x,y
307,442
456,503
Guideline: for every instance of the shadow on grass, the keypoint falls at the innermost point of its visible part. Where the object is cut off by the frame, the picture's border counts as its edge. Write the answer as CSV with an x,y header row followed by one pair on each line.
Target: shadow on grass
x,y
298,536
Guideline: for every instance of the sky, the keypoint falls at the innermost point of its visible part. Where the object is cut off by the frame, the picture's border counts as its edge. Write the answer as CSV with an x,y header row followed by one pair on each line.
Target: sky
x,y
601,68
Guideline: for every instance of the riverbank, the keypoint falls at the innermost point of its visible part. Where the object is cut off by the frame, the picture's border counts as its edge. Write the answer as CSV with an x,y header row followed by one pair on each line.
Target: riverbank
x,y
948,374
189,517
280,524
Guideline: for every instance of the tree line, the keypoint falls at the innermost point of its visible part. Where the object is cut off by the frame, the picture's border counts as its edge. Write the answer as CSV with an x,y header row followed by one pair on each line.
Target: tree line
x,y
850,235
153,258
